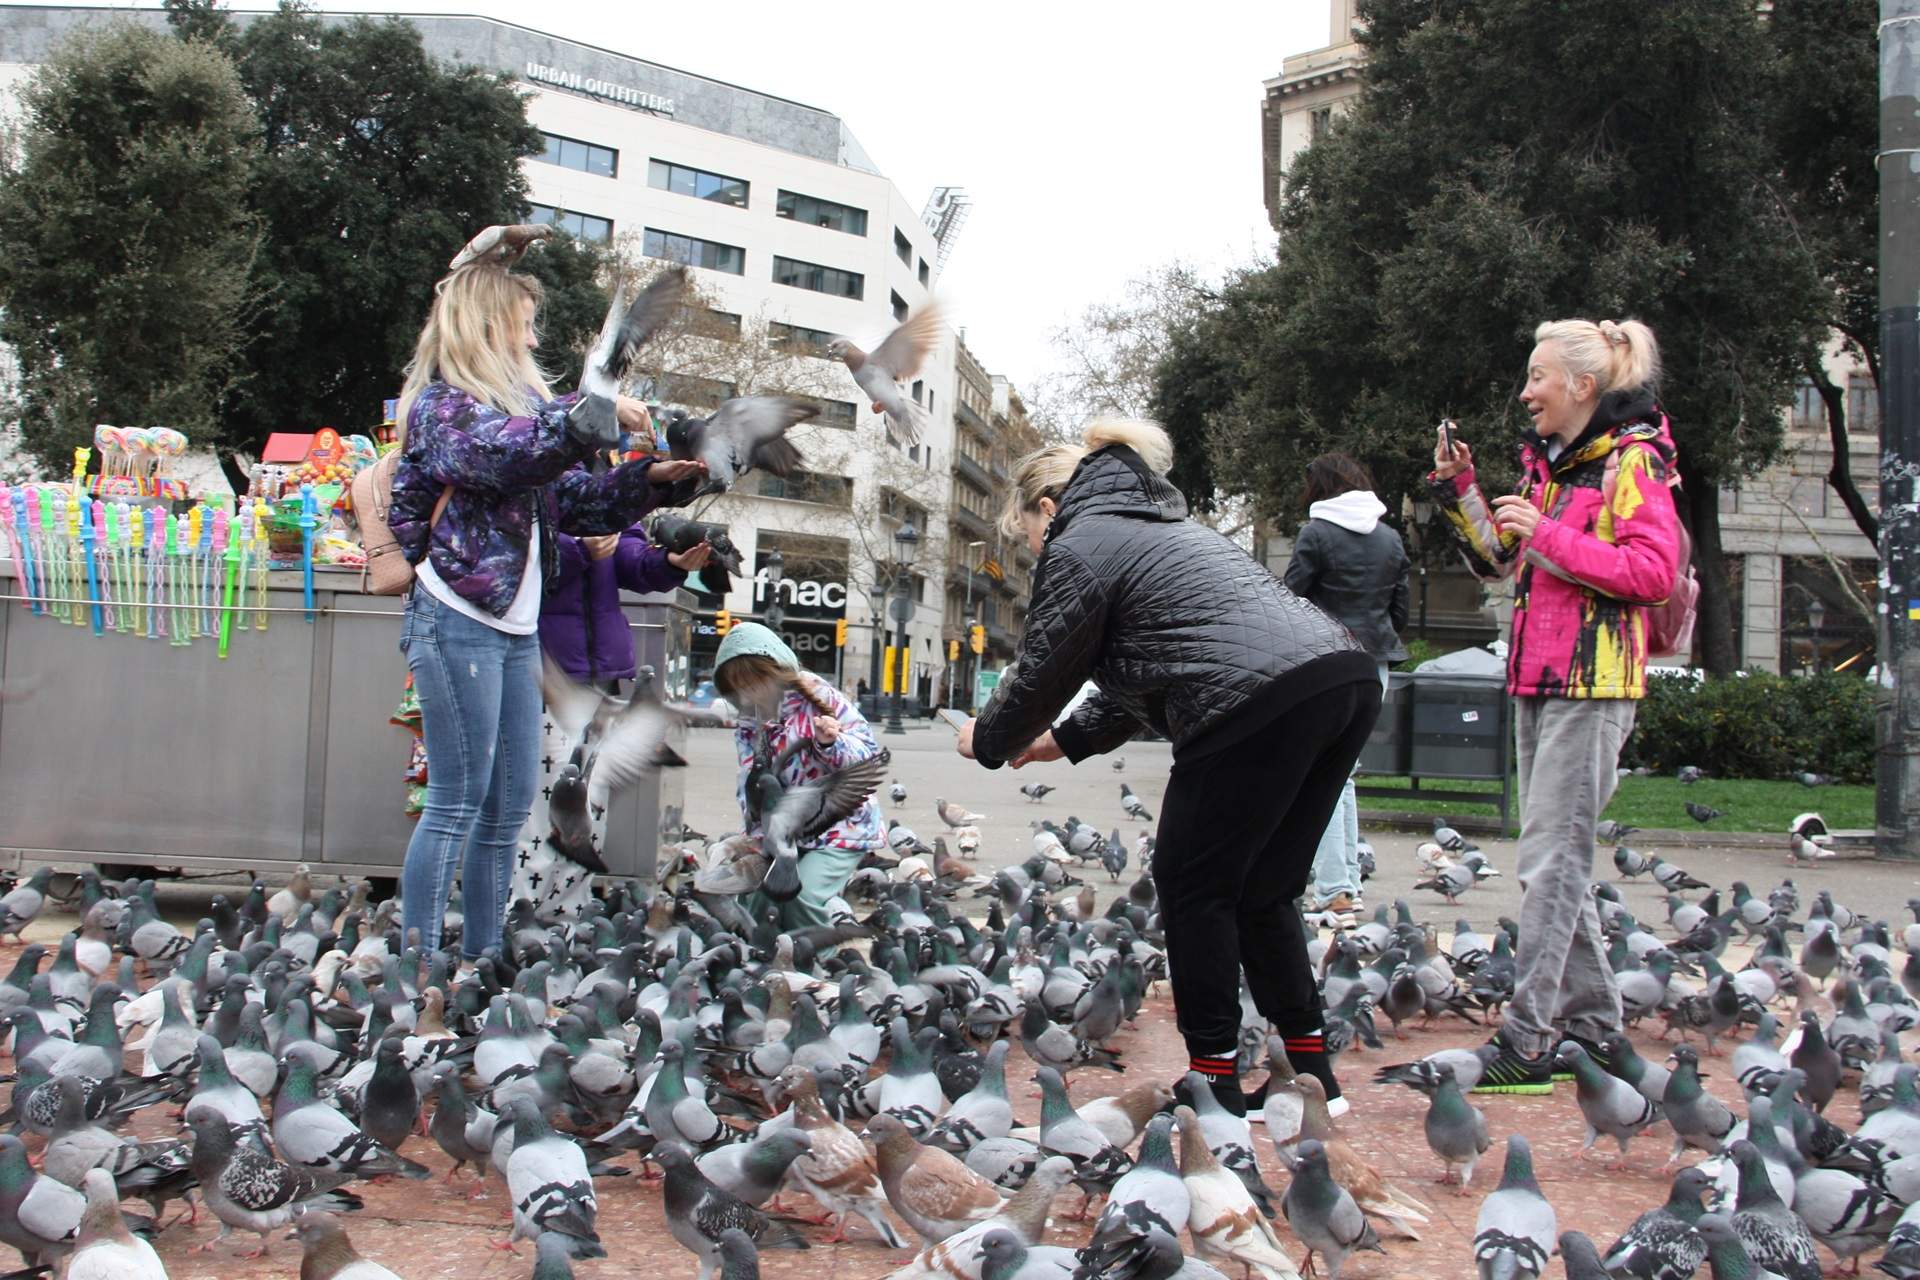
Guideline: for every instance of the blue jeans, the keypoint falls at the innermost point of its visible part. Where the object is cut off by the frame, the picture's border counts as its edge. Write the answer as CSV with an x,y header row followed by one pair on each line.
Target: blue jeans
x,y
479,692
1336,863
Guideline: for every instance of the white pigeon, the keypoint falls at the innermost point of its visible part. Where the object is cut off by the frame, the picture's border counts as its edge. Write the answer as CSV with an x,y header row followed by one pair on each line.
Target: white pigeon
x,y
896,360
105,1249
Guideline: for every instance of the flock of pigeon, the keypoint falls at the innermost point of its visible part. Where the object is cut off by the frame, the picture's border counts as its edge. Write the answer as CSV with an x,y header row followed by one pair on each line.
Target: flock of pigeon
x,y
292,1047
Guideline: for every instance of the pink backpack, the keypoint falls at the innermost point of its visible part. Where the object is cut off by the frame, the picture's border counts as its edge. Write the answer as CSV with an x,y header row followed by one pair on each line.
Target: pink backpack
x,y
1670,623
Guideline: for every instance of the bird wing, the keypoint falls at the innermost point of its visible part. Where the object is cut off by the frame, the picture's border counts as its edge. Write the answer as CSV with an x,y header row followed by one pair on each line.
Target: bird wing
x,y
752,429
945,1189
627,328
908,346
52,1210
808,810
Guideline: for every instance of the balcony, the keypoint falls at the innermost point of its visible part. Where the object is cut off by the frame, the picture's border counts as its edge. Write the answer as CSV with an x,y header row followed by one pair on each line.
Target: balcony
x,y
964,412
975,526
957,576
972,472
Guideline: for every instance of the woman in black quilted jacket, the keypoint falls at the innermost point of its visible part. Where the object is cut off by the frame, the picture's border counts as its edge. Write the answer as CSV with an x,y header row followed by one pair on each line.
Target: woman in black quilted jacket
x,y
1266,700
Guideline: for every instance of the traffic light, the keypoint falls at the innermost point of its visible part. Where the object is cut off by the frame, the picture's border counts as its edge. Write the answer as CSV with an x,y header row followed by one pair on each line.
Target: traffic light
x,y
953,651
979,640
840,633
722,621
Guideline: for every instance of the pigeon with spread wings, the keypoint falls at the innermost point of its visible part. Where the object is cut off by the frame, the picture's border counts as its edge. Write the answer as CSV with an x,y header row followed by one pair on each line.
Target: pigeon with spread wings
x,y
502,246
881,372
743,433
593,418
793,814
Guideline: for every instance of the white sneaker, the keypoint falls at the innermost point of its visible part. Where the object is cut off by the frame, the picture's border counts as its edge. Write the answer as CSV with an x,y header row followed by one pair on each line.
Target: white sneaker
x,y
1337,1107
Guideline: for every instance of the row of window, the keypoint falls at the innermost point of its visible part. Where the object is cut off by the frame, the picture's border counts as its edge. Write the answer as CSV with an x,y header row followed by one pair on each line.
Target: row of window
x,y
584,226
732,259
1862,403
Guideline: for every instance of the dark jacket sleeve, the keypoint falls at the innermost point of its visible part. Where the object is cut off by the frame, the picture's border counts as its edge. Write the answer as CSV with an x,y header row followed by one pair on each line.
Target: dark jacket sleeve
x,y
1065,624
1096,726
608,502
642,567
475,446
1398,603
1304,569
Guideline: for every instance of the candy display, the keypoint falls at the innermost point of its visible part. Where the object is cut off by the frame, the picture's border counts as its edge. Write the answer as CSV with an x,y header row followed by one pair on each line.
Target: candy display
x,y
135,462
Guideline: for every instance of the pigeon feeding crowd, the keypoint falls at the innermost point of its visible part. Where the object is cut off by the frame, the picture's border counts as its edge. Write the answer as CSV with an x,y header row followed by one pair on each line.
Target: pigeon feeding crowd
x,y
292,1052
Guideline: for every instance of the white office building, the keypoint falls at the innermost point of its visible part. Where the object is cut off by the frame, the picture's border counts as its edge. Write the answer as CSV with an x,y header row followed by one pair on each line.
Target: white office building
x,y
794,236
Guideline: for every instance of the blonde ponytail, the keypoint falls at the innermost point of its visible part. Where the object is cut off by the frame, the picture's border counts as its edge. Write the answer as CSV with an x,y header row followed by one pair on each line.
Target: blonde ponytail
x,y
1619,355
1044,473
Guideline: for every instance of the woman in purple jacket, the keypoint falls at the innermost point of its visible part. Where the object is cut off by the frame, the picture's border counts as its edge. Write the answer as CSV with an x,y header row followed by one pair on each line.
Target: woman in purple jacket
x,y
486,482
584,633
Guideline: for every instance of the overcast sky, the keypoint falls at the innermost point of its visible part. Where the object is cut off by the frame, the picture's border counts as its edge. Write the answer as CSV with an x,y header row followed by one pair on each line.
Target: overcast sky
x,y
1095,146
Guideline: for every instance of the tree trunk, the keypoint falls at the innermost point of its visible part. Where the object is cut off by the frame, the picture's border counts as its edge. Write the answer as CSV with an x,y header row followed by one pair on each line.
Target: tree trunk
x,y
1840,476
1713,630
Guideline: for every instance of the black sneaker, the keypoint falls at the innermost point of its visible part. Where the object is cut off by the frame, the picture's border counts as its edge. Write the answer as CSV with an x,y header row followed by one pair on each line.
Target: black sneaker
x,y
1513,1072
1308,1054
1593,1049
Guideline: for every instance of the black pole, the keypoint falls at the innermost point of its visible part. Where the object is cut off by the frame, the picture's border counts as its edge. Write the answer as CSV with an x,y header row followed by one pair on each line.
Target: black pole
x,y
1897,791
894,724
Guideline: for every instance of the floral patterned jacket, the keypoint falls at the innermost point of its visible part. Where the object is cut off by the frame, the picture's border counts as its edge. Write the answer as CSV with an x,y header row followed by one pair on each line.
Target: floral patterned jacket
x,y
507,472
864,830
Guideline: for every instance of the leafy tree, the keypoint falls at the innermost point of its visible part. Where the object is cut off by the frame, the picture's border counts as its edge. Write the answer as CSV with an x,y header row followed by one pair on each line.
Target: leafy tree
x,y
1501,168
126,244
376,164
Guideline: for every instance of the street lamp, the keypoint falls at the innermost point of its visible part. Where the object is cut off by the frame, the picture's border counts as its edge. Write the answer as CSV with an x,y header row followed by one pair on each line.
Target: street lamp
x,y
774,613
906,543
1816,620
972,660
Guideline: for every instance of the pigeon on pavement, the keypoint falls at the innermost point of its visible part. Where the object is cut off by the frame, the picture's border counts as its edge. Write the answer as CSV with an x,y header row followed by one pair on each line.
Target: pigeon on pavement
x,y
1517,1230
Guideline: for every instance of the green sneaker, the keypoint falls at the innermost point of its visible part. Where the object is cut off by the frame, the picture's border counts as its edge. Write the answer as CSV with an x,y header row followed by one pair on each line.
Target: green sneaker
x,y
1513,1072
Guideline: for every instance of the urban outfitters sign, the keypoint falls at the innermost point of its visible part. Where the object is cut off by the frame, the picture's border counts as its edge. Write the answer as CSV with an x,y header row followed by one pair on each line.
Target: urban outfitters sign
x,y
599,88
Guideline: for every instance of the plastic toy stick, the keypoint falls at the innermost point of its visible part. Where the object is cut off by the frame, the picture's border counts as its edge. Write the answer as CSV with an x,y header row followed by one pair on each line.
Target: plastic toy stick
x,y
28,512
189,549
309,520
177,635
260,559
136,567
80,457
93,574
205,573
156,553
103,556
229,553
14,516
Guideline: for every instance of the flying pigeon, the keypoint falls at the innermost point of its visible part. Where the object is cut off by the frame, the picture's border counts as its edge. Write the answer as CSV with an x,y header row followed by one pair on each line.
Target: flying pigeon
x,y
676,534
896,360
743,433
593,420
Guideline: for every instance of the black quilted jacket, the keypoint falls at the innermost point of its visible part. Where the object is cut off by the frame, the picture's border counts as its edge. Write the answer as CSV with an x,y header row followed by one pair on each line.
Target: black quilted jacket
x,y
1180,629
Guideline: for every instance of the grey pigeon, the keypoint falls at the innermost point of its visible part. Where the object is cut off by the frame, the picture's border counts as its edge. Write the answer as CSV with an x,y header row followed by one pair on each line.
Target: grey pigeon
x,y
1623,1060
1450,882
1727,1254
327,1253
390,1107
676,534
308,1132
1662,1243
1097,1163
1005,1256
753,1170
981,1113
1456,1129
1580,1258
674,1114
1610,1105
896,360
593,420
1758,1062
1698,1118
699,1213
1517,1230
743,433
552,1257
1773,1236
1152,1189
248,1190
548,1183
799,813
21,906
739,1256
1322,1213
38,1216
1814,1056
502,246
1902,1258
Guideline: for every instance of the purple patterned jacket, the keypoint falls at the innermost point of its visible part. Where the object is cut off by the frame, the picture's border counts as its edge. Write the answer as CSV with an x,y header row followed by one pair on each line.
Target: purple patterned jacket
x,y
506,473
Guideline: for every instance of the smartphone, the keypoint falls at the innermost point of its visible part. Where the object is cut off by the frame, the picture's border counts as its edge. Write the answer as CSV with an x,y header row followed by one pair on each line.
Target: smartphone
x,y
1447,426
956,720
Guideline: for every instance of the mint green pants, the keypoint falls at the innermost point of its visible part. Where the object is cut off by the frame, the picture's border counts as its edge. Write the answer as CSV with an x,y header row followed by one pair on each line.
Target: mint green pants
x,y
823,877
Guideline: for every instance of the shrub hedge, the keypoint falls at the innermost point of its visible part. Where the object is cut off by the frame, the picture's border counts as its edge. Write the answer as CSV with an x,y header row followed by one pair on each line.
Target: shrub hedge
x,y
1756,725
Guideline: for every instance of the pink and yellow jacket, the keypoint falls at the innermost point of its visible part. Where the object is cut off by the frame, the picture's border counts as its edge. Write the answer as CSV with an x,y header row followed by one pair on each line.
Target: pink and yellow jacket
x,y
1605,548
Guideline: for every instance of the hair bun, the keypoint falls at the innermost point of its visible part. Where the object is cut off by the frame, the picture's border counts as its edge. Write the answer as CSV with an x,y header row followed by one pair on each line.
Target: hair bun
x,y
1613,333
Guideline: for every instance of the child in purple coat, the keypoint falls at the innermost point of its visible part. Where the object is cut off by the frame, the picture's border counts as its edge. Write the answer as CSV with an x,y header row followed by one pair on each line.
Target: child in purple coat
x,y
585,634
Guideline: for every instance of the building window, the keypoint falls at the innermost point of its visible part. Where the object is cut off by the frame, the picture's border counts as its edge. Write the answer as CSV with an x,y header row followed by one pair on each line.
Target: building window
x,y
919,389
797,339
924,273
694,391
1863,407
727,321
1822,625
968,498
1320,121
582,226
835,413
975,450
694,252
899,307
808,486
1808,496
902,247
811,275
821,213
571,153
698,183
1809,412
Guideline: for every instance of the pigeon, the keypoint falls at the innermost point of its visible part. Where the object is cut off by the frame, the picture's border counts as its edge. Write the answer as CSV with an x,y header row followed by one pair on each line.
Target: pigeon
x,y
1450,882
1662,1243
743,433
1373,1193
390,1106
549,1184
1758,1062
1630,862
1052,1045
897,792
1221,1216
1456,1130
592,420
1131,803
753,1170
1152,1190
1814,1056
154,1171
21,906
1607,831
673,1113
38,1216
309,1132
1004,1256
1036,791
1517,1230
1610,1105
1688,774
327,1253
982,1112
837,1170
1902,1258
1698,1118
1703,813
501,246
103,1248
957,816
1673,878
248,1190
1323,1214
1773,1236
699,1213
896,360
1025,1215
676,534
932,1191
1097,1163
1726,1254
802,812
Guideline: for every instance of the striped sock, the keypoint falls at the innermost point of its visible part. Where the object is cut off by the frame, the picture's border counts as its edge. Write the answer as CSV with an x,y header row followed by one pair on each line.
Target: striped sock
x,y
1214,1066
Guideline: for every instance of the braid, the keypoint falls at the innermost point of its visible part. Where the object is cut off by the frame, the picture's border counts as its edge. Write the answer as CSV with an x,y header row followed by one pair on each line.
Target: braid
x,y
807,686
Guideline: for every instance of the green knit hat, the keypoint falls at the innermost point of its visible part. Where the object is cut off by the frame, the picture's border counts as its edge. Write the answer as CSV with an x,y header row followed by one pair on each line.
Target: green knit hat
x,y
751,638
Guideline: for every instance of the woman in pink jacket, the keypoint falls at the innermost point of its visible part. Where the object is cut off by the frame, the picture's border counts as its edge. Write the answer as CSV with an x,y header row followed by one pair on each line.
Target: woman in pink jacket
x,y
1591,539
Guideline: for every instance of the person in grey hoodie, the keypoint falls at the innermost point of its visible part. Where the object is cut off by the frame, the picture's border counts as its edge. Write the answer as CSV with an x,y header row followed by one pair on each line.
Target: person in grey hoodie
x,y
1354,567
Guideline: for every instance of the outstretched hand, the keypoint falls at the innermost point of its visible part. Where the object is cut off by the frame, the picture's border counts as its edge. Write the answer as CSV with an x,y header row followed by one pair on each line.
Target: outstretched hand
x,y
666,472
1041,749
693,559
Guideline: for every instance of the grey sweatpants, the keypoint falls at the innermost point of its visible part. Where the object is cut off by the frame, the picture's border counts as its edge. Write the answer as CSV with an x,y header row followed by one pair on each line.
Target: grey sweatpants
x,y
1568,750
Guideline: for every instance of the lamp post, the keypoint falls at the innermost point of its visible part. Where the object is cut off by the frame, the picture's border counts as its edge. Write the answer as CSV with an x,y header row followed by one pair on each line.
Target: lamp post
x,y
877,602
773,613
970,664
906,543
1816,621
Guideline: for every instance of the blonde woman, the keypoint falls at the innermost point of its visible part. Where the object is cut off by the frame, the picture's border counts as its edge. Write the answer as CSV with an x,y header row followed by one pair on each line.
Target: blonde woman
x,y
1266,700
1591,540
486,481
